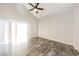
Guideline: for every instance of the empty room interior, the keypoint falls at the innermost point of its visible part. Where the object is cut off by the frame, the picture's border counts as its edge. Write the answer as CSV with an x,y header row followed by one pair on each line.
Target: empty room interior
x,y
39,29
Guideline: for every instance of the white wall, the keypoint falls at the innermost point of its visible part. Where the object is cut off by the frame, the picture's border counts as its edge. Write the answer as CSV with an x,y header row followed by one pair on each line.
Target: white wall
x,y
62,27
76,26
57,27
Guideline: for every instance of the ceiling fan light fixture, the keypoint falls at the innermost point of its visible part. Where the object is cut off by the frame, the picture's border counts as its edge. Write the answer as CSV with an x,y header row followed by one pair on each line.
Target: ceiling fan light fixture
x,y
37,12
35,9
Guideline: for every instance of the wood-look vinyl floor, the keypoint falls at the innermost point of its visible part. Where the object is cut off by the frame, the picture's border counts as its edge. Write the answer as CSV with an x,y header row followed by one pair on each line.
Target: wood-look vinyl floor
x,y
43,47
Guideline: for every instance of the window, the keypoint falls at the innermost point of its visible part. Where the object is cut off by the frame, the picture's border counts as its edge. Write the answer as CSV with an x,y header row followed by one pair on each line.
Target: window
x,y
21,33
15,33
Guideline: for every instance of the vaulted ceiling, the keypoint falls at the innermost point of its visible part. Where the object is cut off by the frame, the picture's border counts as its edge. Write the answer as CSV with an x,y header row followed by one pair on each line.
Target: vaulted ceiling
x,y
50,8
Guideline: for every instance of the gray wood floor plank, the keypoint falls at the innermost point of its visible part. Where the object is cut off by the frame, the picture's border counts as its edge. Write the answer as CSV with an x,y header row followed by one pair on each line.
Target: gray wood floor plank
x,y
43,47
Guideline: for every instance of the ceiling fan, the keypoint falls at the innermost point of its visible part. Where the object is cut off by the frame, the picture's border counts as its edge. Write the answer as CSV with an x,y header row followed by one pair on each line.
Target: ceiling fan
x,y
35,7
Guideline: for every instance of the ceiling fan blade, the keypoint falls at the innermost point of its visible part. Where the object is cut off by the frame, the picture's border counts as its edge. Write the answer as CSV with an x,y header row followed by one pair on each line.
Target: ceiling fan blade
x,y
31,9
36,5
30,4
40,8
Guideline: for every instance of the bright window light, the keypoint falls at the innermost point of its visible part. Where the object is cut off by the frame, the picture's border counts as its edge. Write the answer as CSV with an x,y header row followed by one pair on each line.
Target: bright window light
x,y
15,32
15,35
6,32
21,33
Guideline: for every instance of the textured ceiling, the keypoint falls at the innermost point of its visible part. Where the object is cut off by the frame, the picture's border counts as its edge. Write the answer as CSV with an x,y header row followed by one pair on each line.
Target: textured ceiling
x,y
50,8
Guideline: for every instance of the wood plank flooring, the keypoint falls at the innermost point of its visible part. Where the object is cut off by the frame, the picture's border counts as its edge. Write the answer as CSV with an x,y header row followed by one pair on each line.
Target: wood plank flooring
x,y
43,47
